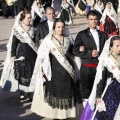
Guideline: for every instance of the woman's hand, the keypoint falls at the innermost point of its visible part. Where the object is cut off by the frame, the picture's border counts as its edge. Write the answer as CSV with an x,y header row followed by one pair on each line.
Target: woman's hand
x,y
13,58
98,101
40,41
81,48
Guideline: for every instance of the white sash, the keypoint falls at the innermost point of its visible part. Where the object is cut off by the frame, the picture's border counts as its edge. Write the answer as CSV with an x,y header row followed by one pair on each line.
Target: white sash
x,y
59,55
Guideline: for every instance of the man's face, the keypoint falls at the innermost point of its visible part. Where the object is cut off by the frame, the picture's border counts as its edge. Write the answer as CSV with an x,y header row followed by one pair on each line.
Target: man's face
x,y
50,14
92,21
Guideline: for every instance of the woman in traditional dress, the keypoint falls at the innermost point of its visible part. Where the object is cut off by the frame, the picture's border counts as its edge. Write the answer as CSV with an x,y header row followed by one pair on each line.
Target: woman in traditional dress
x,y
21,56
65,13
99,8
38,14
53,78
81,7
111,69
109,22
106,90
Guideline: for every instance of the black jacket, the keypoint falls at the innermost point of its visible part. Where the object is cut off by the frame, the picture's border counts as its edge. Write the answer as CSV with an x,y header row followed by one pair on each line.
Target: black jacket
x,y
85,38
42,30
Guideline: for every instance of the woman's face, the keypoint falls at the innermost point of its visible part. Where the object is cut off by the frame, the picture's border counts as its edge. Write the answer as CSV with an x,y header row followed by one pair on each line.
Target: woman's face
x,y
109,6
39,5
59,28
99,2
116,47
27,19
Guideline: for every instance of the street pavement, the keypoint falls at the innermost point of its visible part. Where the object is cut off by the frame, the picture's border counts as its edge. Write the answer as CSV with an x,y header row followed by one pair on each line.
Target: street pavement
x,y
10,106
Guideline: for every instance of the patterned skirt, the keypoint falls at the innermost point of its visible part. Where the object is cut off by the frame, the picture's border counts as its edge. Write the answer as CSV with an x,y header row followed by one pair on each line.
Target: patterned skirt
x,y
109,27
23,71
61,91
112,100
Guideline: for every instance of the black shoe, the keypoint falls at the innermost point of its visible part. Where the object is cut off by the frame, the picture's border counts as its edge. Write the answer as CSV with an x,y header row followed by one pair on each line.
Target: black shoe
x,y
30,97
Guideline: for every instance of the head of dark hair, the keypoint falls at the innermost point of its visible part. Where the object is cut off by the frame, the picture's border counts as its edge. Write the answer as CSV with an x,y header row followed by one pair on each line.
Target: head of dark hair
x,y
93,13
58,20
99,0
113,39
23,14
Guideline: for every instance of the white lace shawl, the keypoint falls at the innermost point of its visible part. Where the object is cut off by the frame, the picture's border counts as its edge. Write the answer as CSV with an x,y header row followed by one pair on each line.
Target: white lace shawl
x,y
99,8
43,65
9,45
111,13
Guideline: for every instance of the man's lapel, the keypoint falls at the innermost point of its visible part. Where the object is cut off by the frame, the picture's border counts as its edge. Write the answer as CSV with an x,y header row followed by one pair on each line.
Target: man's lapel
x,y
46,27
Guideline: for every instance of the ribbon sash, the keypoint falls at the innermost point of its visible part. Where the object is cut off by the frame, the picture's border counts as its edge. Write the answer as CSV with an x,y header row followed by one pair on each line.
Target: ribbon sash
x,y
59,55
115,61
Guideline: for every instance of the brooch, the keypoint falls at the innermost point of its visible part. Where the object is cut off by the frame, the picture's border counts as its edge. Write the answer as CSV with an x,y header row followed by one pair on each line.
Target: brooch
x,y
113,67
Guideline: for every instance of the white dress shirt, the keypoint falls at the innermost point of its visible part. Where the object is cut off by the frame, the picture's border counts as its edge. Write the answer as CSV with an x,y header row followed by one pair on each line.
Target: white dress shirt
x,y
96,38
50,25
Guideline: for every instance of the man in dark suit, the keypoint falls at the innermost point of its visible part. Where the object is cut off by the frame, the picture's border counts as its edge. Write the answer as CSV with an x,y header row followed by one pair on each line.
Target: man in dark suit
x,y
43,28
88,46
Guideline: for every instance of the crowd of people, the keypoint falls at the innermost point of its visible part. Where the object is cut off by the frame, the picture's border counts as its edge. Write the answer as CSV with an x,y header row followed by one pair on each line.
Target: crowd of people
x,y
58,73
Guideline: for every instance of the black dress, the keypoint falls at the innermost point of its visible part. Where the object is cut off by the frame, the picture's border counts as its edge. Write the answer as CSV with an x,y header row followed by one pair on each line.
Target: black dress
x,y
111,97
61,91
23,69
65,13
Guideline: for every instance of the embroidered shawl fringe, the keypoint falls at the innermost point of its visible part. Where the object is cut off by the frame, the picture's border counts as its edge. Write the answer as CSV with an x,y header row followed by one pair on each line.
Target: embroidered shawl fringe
x,y
59,103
